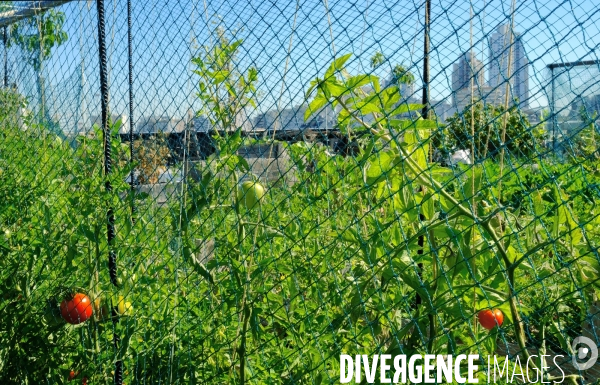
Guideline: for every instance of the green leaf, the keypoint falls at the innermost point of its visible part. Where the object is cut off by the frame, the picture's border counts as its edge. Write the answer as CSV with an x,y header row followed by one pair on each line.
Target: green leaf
x,y
361,80
314,84
369,108
234,46
416,141
126,340
390,96
318,102
376,85
563,216
270,233
220,76
337,64
404,108
426,124
538,204
348,235
380,166
333,88
242,163
195,208
367,152
489,342
3,246
560,336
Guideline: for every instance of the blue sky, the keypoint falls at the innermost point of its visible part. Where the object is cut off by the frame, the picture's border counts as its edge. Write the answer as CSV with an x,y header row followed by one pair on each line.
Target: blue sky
x,y
552,30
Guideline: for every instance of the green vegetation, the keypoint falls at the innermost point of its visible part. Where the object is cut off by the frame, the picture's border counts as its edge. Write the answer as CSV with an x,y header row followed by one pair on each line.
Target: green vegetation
x,y
36,37
384,252
522,140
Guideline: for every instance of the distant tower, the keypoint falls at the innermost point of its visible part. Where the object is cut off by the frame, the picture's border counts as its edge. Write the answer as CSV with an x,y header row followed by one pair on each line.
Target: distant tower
x,y
462,72
499,51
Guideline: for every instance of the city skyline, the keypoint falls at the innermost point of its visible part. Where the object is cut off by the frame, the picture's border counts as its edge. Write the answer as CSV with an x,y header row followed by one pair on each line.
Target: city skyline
x,y
493,90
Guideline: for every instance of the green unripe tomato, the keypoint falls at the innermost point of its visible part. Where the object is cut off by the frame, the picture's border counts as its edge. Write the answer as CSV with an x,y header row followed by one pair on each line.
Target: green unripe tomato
x,y
249,193
124,307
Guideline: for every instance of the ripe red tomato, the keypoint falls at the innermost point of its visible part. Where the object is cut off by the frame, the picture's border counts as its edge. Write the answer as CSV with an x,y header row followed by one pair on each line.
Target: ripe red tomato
x,y
489,318
84,381
76,309
72,375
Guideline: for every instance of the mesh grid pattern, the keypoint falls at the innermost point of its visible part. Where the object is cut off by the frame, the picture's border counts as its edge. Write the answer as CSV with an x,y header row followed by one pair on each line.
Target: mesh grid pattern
x,y
283,193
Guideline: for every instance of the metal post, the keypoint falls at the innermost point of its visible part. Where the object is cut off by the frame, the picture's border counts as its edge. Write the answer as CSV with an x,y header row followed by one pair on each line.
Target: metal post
x,y
421,240
110,216
130,62
5,42
552,112
425,100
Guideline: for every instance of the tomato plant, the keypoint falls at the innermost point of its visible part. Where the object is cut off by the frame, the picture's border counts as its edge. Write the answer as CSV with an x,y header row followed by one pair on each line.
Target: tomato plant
x,y
385,251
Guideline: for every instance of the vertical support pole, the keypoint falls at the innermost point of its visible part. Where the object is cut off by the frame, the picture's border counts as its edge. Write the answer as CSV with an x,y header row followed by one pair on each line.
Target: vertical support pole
x,y
425,113
107,139
553,112
110,217
130,55
5,42
425,99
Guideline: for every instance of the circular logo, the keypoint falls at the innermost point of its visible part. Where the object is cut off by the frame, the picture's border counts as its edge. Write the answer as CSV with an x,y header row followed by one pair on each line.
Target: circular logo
x,y
589,351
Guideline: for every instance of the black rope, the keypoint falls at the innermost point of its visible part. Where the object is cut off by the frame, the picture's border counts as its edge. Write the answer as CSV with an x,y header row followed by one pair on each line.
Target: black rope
x,y
425,102
5,42
110,217
130,53
110,225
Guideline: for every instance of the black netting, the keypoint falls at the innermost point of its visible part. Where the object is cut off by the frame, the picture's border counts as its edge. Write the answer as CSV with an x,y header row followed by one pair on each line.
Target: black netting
x,y
242,192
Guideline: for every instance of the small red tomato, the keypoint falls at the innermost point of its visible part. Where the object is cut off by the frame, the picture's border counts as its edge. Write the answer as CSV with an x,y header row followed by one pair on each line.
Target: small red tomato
x,y
490,318
84,381
76,309
72,375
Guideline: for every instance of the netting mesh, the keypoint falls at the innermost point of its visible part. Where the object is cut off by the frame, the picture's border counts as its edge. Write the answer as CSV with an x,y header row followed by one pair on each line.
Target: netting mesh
x,y
242,191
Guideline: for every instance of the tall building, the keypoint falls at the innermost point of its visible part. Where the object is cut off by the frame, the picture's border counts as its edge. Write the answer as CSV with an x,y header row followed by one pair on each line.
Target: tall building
x,y
464,97
464,70
519,72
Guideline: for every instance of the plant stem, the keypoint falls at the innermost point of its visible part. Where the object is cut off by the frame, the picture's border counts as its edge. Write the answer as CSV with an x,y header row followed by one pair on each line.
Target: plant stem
x,y
432,323
245,319
438,188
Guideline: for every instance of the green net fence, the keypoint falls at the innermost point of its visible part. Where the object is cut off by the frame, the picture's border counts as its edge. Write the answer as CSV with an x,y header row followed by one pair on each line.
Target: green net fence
x,y
283,192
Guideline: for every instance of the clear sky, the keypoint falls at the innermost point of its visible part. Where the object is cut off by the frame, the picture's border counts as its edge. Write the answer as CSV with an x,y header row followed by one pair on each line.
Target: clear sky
x,y
168,33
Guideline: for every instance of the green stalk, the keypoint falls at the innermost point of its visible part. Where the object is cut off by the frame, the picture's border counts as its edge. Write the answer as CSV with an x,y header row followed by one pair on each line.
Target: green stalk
x,y
420,174
94,279
432,323
246,311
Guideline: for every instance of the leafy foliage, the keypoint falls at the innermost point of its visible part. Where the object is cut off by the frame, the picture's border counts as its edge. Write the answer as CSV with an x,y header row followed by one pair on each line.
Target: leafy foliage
x,y
522,140
38,35
383,252
224,91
